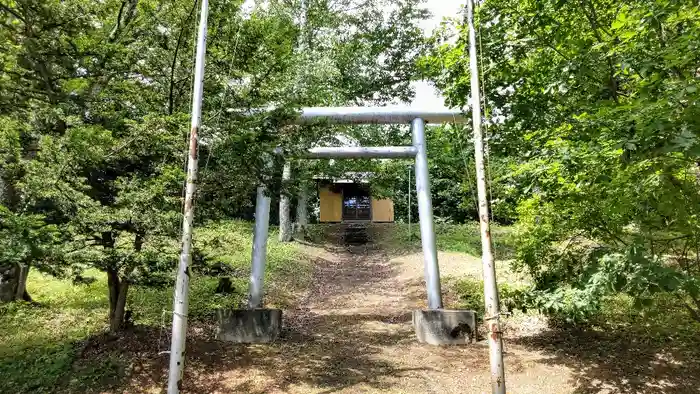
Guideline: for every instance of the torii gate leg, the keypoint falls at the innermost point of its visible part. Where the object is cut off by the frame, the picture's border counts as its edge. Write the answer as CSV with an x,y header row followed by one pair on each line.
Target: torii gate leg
x,y
259,258
425,211
435,325
255,324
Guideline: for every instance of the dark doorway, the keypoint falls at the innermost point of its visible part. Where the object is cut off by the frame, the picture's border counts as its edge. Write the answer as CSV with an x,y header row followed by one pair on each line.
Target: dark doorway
x,y
357,204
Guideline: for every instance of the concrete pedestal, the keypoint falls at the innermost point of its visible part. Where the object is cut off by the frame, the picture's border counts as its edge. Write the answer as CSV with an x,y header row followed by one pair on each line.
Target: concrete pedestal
x,y
249,325
444,326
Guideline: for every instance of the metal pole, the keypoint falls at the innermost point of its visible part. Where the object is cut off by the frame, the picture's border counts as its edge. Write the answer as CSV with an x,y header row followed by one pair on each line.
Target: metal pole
x,y
425,211
353,152
182,284
410,234
257,275
377,115
498,380
363,115
285,234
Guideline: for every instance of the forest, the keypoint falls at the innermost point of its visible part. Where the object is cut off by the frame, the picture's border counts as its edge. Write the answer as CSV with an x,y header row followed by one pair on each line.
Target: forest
x,y
592,122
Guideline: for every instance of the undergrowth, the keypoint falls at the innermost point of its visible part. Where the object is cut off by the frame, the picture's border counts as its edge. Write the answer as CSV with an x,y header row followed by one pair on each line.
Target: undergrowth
x,y
40,342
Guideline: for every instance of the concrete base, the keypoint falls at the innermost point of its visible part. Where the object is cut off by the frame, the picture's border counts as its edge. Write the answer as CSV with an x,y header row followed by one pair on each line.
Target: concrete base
x,y
444,326
249,325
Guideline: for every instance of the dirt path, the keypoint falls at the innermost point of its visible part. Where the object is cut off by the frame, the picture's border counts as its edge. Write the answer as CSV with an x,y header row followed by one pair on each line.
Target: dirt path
x,y
353,334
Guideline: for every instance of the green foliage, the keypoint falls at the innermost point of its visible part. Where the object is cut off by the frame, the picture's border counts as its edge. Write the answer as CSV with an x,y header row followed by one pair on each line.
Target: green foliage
x,y
225,246
94,99
25,238
471,295
662,320
288,57
452,177
597,105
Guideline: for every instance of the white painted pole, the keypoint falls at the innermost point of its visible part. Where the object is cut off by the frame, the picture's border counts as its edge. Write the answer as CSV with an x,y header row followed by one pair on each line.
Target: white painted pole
x,y
425,212
364,115
259,258
285,234
355,152
495,337
410,235
182,284
377,115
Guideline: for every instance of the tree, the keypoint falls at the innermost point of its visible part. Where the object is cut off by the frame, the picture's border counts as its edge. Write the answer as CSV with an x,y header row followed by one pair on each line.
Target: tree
x,y
98,92
598,103
88,85
350,55
16,244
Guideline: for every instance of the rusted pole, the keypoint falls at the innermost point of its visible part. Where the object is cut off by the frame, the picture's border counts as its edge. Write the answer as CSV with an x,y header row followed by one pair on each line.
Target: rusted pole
x,y
492,318
182,284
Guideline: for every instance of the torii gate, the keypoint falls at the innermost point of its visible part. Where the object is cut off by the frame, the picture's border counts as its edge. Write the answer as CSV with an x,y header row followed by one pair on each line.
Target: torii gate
x,y
255,324
434,325
417,151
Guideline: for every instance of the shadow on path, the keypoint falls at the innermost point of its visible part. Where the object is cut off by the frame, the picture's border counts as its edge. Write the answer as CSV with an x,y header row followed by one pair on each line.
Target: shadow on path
x,y
333,338
619,361
325,351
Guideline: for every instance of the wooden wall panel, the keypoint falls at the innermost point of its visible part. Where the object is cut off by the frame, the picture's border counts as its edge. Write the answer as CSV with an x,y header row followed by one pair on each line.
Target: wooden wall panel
x,y
382,210
331,205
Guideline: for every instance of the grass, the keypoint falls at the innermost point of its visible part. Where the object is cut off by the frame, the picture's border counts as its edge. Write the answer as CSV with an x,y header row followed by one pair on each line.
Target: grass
x,y
37,342
460,238
40,343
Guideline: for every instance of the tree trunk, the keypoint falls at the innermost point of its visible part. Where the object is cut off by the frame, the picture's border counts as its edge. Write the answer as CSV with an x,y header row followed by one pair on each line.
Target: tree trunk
x,y
285,221
13,283
113,288
117,322
22,283
302,213
9,282
118,288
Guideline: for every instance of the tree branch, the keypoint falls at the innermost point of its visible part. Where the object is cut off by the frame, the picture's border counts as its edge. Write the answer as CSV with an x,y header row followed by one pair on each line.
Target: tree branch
x,y
693,313
117,26
128,16
171,97
592,17
12,12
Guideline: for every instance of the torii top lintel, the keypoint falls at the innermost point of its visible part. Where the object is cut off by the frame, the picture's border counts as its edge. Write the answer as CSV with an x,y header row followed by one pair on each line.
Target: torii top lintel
x,y
377,115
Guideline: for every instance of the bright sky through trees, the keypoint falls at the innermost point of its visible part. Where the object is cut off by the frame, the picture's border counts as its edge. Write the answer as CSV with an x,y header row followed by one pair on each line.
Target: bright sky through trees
x,y
426,95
